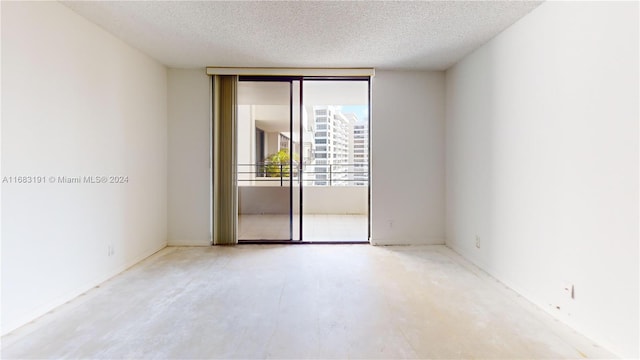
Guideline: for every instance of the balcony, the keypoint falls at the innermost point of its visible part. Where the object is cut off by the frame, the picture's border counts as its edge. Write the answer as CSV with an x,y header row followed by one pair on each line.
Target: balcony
x,y
335,201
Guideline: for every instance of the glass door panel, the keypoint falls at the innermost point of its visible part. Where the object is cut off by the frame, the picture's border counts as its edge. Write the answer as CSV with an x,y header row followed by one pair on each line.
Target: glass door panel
x,y
303,159
264,150
336,160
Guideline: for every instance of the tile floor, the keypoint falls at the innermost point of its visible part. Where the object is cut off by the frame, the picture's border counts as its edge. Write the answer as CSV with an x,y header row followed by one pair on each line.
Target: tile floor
x,y
295,302
315,227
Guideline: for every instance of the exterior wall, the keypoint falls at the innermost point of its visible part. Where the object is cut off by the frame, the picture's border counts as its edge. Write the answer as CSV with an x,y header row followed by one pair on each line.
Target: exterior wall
x,y
324,200
346,200
331,146
360,158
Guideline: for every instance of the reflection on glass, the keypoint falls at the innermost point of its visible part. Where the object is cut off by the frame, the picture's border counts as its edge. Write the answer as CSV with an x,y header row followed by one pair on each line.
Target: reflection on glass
x,y
264,161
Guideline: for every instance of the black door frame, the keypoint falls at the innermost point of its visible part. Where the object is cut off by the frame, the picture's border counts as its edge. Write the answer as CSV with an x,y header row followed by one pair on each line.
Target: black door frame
x,y
301,79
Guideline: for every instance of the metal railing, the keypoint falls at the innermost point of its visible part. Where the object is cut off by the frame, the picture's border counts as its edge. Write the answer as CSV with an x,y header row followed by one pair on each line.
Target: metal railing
x,y
340,174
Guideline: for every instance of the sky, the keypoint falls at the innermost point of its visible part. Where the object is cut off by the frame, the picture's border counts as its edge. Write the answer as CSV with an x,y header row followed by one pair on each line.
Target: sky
x,y
361,111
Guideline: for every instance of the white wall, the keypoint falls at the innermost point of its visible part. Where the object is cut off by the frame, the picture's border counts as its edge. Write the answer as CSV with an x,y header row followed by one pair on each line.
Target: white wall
x,y
407,160
188,176
542,164
405,126
75,102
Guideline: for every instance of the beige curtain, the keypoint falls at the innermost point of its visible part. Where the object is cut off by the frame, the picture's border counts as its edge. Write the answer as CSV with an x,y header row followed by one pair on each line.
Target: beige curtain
x,y
225,193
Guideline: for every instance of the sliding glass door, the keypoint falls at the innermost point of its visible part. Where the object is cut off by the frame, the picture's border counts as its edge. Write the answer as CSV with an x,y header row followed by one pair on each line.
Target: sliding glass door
x,y
268,159
303,159
336,176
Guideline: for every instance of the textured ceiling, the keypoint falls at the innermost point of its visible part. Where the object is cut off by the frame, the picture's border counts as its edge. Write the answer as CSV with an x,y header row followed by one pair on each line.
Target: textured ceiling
x,y
381,34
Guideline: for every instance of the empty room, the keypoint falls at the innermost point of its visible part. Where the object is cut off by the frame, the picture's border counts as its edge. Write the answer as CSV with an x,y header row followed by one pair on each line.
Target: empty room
x,y
321,179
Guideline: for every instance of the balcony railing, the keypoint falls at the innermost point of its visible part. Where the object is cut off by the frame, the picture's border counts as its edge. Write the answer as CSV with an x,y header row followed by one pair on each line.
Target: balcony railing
x,y
339,174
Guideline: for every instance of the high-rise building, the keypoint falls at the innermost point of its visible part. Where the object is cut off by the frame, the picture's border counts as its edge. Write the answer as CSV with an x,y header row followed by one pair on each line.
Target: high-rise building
x,y
332,135
360,168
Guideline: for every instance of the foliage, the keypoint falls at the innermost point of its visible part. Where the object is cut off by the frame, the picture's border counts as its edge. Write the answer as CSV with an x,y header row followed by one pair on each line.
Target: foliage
x,y
277,165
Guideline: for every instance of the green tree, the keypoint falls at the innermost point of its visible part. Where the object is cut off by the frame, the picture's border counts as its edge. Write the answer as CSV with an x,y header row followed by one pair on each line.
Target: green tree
x,y
278,164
